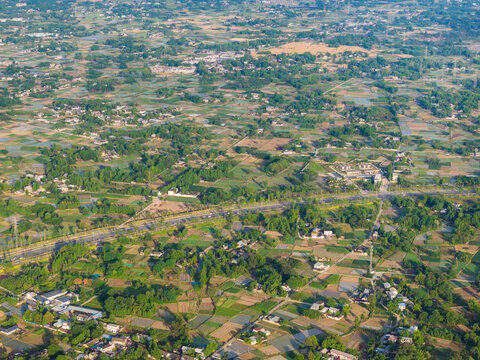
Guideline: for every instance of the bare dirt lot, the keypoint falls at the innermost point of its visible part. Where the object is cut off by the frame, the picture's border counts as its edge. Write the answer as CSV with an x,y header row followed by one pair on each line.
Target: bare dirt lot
x,y
471,249
390,264
250,300
226,331
184,307
160,325
467,293
262,144
118,283
206,304
270,350
374,323
315,49
355,339
171,207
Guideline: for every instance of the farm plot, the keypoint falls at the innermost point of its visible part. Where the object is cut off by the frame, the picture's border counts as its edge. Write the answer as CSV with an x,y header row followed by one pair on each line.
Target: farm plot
x,y
206,305
226,331
250,300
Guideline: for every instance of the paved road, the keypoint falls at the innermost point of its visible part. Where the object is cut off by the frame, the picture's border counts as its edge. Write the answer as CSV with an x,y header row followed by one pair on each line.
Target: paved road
x,y
102,235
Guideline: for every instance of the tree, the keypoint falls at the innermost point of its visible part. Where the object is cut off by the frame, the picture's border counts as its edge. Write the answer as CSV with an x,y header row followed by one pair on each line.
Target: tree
x,y
334,342
181,231
311,341
473,306
48,318
210,348
54,350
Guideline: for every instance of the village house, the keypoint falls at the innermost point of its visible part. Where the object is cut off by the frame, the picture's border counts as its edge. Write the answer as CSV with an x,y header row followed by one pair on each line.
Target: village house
x,y
120,341
113,328
106,348
261,330
392,293
340,355
320,266
10,330
273,319
82,314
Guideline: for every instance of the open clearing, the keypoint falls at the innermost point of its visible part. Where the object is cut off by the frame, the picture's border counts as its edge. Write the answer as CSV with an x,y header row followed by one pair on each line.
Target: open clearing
x,y
315,49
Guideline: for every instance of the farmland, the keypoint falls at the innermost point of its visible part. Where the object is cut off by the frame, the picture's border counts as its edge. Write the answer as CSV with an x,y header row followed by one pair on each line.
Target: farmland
x,y
239,179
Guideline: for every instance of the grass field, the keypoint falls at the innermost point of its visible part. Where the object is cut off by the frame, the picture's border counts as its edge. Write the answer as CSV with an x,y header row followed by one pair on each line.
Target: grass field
x,y
337,249
355,263
226,312
264,306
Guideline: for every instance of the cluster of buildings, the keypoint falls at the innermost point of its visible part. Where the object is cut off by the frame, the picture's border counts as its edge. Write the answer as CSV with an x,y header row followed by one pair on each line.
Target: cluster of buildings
x,y
177,70
395,338
360,171
332,313
189,353
214,57
393,295
120,116
109,345
329,312
321,234
361,296
256,336
59,301
38,185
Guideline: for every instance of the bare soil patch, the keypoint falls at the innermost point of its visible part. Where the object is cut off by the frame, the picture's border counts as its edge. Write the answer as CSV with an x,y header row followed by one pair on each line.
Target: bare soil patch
x,y
315,49
160,325
374,323
184,307
171,207
206,304
226,331
270,350
467,293
273,234
121,283
447,344
390,264
471,249
172,308
250,300
355,339
247,356
265,144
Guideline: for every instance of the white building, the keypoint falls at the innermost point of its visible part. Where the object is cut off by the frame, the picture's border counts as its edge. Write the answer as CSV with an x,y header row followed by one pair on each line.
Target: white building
x,y
337,354
392,293
320,266
112,328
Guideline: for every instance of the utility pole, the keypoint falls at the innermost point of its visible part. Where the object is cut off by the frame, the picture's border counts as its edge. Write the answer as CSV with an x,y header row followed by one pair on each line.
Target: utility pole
x,y
371,259
15,230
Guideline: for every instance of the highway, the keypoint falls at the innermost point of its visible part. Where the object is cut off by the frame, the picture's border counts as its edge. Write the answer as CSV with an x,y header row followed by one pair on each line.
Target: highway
x,y
21,255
